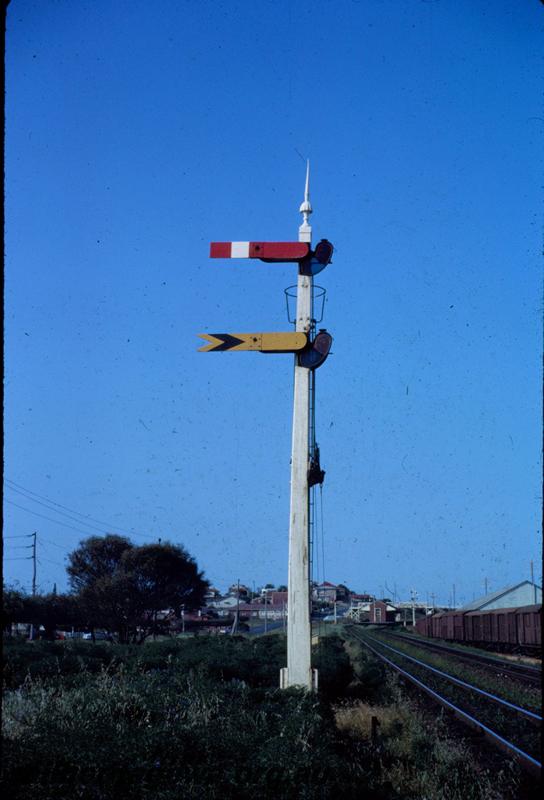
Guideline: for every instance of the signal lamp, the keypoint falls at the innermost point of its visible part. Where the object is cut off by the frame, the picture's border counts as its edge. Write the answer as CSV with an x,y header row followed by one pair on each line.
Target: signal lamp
x,y
323,252
315,355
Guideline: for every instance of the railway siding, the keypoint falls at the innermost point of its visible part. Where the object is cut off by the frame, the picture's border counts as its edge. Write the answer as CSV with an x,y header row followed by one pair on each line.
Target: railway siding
x,y
485,677
502,723
523,671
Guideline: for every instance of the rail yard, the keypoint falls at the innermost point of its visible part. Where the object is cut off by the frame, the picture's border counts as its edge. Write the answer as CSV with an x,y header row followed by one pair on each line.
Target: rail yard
x,y
497,699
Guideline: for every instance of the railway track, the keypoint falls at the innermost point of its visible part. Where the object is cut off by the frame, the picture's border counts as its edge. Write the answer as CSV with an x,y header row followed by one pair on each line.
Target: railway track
x,y
524,672
505,725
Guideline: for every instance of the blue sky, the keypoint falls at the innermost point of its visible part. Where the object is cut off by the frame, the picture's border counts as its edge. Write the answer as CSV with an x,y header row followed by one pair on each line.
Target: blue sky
x,y
137,133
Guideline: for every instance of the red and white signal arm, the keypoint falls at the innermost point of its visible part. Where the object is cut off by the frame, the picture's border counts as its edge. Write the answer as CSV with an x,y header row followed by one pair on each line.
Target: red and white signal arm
x,y
266,251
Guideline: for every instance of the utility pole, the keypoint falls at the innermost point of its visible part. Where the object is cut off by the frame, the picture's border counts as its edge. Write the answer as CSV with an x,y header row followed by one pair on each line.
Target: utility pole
x,y
34,563
454,597
413,597
33,557
266,610
237,618
299,635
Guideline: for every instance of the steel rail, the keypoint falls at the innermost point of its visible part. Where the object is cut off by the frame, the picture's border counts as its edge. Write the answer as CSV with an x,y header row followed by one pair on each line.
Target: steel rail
x,y
518,670
531,764
518,709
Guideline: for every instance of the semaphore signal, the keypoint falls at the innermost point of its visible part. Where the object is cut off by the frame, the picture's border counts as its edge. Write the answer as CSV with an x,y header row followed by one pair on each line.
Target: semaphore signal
x,y
310,351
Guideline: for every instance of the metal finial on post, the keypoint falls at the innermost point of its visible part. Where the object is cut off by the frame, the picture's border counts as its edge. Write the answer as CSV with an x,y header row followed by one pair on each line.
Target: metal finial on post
x,y
305,230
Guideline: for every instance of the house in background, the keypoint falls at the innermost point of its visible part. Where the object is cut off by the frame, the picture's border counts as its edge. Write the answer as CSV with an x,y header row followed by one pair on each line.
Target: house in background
x,y
325,592
238,590
381,613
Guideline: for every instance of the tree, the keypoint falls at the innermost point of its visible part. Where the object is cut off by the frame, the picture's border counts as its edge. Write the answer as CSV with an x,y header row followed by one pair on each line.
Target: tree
x,y
123,587
13,602
165,576
97,557
49,610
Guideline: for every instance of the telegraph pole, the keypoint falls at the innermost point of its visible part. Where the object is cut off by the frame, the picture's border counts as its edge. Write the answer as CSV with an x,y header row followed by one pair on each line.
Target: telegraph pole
x,y
237,617
33,557
299,635
34,563
413,597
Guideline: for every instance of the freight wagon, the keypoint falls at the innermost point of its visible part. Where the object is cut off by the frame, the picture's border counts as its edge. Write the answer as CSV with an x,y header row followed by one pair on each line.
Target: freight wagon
x,y
503,628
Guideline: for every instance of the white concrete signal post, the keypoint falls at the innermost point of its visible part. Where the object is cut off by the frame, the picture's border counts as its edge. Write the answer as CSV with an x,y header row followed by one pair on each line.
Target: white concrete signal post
x,y
310,350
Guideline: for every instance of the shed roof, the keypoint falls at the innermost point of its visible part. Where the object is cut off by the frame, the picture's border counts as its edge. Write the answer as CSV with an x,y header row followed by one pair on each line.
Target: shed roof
x,y
482,602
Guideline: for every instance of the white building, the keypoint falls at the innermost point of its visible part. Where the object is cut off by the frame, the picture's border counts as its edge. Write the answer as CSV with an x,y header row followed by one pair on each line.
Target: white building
x,y
521,594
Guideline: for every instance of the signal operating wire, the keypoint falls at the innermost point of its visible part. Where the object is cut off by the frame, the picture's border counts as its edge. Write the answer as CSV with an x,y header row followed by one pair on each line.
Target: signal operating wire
x,y
322,534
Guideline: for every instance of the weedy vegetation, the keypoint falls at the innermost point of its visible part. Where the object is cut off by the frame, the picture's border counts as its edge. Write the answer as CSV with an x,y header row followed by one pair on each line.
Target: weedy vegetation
x,y
203,718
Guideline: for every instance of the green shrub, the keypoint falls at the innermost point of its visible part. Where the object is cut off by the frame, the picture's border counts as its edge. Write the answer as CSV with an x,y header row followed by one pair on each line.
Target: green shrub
x,y
168,735
335,672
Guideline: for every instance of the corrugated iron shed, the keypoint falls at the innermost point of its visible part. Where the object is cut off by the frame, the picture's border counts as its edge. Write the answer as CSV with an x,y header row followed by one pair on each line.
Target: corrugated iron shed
x,y
521,594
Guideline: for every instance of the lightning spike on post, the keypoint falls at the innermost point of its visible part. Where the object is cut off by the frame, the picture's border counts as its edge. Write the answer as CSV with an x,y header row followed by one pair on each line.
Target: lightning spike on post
x,y
305,230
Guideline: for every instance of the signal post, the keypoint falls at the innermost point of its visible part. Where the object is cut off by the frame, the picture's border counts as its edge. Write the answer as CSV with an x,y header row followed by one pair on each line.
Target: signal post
x,y
299,624
310,351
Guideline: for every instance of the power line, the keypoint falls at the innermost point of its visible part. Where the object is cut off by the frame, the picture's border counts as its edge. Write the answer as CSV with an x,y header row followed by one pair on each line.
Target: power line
x,y
49,508
43,516
22,536
20,546
64,524
60,546
46,548
12,484
18,558
50,562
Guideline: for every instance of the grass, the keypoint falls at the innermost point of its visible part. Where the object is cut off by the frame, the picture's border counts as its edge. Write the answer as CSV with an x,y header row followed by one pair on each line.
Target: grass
x,y
417,757
202,718
169,735
414,755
